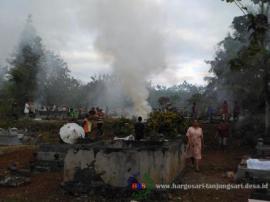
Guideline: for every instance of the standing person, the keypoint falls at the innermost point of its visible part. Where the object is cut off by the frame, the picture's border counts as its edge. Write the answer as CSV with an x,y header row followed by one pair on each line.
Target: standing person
x,y
72,113
194,111
87,125
100,118
225,110
210,112
139,129
32,109
54,108
92,112
195,143
236,111
223,131
26,109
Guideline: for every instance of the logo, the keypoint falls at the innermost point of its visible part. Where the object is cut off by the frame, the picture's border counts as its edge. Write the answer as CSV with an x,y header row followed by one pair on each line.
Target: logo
x,y
141,189
138,186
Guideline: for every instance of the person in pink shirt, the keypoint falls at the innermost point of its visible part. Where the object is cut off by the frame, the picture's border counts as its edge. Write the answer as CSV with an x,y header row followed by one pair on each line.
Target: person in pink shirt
x,y
195,143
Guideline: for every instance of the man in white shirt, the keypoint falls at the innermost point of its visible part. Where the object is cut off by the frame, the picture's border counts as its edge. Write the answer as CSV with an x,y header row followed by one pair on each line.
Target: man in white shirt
x,y
26,109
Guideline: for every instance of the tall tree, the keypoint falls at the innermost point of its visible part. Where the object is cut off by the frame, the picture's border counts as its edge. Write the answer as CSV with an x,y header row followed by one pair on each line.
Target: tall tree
x,y
253,58
25,65
54,81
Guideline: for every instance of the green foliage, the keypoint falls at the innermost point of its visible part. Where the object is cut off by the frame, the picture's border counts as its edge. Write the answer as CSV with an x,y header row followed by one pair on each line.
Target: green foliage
x,y
238,65
168,123
5,108
122,127
245,74
163,101
56,86
177,95
23,74
24,66
195,98
40,75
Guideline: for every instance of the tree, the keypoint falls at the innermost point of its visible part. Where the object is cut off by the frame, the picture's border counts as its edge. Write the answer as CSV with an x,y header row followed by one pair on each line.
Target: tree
x,y
164,102
178,95
255,56
55,85
25,65
3,74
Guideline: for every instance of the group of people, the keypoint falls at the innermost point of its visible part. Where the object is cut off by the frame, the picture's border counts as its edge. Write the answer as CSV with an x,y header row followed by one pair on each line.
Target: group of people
x,y
93,123
29,109
54,108
224,111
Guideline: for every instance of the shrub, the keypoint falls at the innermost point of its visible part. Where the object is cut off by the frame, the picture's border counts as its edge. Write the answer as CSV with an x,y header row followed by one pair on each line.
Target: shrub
x,y
168,123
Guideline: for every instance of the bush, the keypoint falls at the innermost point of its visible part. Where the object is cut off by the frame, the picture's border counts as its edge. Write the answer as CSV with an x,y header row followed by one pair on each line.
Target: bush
x,y
168,123
121,127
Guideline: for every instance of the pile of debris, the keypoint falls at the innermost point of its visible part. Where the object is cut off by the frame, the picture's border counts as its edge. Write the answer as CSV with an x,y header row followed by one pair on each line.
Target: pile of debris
x,y
11,136
15,177
14,180
15,136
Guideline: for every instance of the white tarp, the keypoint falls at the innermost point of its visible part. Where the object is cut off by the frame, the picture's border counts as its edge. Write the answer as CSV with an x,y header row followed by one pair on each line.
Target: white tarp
x,y
258,164
71,132
256,200
130,137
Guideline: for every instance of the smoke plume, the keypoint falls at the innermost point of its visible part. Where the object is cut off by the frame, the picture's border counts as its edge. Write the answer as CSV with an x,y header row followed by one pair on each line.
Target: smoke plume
x,y
129,36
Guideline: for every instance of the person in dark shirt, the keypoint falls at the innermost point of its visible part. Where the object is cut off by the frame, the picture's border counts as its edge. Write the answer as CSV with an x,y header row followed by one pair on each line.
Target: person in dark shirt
x,y
225,110
194,111
139,129
236,111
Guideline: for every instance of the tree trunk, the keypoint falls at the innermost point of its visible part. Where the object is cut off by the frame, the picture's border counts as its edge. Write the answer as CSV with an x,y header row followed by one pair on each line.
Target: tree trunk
x,y
266,97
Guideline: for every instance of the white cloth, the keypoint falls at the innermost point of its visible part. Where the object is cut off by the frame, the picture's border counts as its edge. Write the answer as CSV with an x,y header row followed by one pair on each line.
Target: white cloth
x,y
130,137
71,132
258,164
26,108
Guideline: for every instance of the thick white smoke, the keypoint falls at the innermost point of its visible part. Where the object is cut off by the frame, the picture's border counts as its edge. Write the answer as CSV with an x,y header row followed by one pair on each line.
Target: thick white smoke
x,y
130,34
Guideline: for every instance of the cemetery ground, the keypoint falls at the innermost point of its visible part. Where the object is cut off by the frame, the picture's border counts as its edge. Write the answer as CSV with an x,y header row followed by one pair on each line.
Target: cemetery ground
x,y
45,186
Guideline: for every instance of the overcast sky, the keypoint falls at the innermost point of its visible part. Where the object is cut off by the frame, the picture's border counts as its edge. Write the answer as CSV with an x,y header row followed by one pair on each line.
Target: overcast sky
x,y
192,30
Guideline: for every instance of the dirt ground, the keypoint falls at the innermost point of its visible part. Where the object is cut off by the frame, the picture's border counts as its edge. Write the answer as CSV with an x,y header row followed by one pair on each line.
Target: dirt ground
x,y
213,169
46,186
214,166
